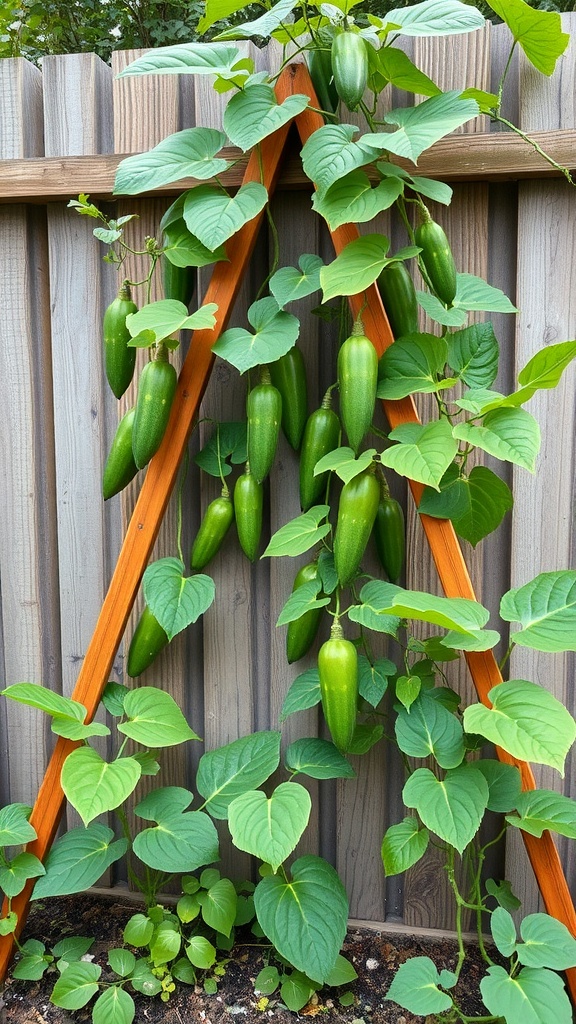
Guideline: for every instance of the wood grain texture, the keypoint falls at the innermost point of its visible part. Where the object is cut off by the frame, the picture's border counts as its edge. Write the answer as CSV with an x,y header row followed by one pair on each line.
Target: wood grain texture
x,y
543,532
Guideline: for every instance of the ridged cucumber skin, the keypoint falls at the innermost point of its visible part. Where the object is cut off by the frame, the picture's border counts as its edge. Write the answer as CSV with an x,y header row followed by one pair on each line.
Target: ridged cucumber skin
x,y
156,389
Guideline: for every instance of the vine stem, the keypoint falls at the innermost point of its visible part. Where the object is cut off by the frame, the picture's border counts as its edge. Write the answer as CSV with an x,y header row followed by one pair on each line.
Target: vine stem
x,y
532,142
183,476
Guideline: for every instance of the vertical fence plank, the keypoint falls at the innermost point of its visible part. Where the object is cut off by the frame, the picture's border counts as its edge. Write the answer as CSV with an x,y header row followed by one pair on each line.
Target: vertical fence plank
x,y
543,528
28,551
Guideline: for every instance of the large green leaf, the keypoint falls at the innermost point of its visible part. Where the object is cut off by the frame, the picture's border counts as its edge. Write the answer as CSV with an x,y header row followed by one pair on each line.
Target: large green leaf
x,y
254,112
300,534
452,807
305,915
414,362
187,154
77,860
45,700
213,216
437,311
546,608
544,370
473,354
183,249
228,441
289,283
186,59
15,874
539,32
174,599
356,268
423,453
219,906
393,65
93,785
532,996
457,613
415,987
76,985
304,693
239,766
275,333
114,1006
270,827
476,504
421,126
504,784
168,316
15,828
503,931
264,25
403,846
512,435
473,293
344,463
540,809
352,200
373,678
527,721
546,942
154,718
302,600
429,728
318,758
215,10
181,840
435,18
330,153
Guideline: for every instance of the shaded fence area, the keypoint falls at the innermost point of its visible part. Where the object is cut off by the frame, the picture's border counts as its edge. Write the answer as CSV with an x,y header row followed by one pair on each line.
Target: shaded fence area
x,y
63,130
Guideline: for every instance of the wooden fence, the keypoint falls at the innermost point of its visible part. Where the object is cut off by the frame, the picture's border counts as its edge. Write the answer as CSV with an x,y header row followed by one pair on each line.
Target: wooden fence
x,y
512,221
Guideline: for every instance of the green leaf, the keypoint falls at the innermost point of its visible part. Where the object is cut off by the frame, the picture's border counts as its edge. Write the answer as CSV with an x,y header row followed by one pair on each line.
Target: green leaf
x,y
14,876
138,931
292,913
45,700
502,893
474,293
358,265
368,615
77,860
270,828
403,846
166,943
264,25
532,996
453,808
74,730
302,600
546,608
187,154
542,809
365,737
93,785
304,693
481,400
300,534
435,18
527,721
267,981
168,316
33,962
174,599
183,249
538,32
344,463
373,679
342,973
395,66
254,113
473,354
76,986
213,216
72,948
289,284
504,784
329,154
227,442
352,200
476,504
437,191
423,453
215,10
512,435
319,759
295,990
458,613
200,952
429,728
219,906
437,311
154,719
225,773
122,961
414,362
114,1006
186,59
415,987
421,126
15,828
8,925
181,840
546,943
544,370
275,333
503,931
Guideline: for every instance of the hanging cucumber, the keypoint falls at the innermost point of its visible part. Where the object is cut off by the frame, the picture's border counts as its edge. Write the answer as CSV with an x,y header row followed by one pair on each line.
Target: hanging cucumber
x,y
120,467
398,295
390,534
264,412
338,671
119,359
437,258
156,388
248,506
215,524
320,66
177,282
349,59
357,510
288,375
357,381
302,632
147,641
321,435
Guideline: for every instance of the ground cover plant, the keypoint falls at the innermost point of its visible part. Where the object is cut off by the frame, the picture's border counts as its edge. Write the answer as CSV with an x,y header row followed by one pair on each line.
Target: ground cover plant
x,y
344,488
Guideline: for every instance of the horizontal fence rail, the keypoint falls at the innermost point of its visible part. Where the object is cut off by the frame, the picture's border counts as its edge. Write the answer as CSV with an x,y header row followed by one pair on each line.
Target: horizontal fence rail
x,y
512,221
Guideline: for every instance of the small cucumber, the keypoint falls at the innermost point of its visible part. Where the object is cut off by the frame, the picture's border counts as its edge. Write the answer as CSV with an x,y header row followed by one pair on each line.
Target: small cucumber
x,y
156,388
120,467
119,359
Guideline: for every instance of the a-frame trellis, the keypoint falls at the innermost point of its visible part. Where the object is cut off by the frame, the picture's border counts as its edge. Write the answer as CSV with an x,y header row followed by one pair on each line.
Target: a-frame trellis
x,y
157,487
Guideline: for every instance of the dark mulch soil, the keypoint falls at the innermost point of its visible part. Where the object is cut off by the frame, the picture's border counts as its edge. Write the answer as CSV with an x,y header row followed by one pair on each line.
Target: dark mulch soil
x,y
375,955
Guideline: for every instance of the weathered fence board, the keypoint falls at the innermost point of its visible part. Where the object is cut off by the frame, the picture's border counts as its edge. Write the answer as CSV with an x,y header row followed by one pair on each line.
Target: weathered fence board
x,y
229,671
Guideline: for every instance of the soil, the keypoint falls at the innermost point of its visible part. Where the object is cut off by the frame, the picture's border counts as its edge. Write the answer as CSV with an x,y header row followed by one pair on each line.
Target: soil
x,y
375,954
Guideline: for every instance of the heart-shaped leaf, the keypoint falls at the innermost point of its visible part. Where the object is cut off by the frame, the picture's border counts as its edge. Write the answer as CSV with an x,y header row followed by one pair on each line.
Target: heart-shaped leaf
x,y
242,765
403,846
77,860
300,534
424,451
289,284
270,828
187,154
452,807
512,435
254,112
414,362
546,608
539,33
213,216
168,316
154,718
319,759
93,785
415,987
176,600
353,200
275,333
540,809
